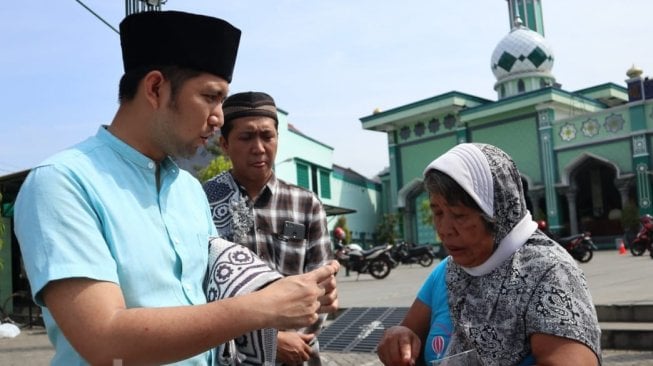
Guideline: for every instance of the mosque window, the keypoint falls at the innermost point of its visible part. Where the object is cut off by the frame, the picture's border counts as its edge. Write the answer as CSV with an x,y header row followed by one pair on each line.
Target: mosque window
x,y
520,86
502,91
434,125
419,129
404,132
449,121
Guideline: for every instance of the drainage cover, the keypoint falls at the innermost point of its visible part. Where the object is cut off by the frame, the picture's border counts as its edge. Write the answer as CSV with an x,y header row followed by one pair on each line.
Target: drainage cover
x,y
359,329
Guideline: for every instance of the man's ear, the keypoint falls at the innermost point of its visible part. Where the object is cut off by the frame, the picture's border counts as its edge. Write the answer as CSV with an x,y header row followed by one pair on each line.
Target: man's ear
x,y
153,87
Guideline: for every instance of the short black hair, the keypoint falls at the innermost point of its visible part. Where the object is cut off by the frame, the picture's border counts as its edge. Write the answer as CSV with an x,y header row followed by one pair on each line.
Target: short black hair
x,y
176,75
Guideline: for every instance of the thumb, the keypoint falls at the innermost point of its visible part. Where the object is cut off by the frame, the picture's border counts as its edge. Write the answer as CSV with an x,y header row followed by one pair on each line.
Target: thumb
x,y
307,338
323,273
406,350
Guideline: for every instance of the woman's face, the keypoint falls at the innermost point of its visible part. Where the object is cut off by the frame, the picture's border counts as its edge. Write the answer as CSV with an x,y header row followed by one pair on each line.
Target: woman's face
x,y
462,231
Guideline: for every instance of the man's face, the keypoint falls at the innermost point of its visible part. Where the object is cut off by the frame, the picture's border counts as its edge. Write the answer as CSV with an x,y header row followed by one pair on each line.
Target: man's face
x,y
252,147
190,119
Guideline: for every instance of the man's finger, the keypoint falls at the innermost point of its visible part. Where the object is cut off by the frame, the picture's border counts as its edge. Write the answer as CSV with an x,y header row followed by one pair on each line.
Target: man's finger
x,y
323,273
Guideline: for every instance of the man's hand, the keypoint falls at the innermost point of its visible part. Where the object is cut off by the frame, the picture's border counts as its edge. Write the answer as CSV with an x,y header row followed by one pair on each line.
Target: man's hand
x,y
293,347
399,346
329,301
294,301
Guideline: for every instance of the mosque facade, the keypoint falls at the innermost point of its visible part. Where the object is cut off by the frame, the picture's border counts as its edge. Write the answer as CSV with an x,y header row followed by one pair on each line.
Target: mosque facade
x,y
584,155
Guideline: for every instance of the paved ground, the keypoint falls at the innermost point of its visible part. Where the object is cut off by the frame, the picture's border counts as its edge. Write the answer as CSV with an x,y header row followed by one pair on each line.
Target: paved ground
x,y
613,279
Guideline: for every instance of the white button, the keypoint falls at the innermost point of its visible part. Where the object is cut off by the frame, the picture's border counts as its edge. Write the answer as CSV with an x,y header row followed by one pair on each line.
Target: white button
x,y
150,165
188,288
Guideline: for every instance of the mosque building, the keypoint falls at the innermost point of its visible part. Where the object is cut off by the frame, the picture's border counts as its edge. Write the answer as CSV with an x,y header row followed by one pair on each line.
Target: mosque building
x,y
583,154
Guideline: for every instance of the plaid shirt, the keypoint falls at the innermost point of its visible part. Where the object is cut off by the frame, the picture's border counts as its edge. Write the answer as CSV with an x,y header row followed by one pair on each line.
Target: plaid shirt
x,y
259,224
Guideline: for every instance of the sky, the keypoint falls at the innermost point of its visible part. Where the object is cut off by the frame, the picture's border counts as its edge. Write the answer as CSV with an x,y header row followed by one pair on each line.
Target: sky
x,y
326,63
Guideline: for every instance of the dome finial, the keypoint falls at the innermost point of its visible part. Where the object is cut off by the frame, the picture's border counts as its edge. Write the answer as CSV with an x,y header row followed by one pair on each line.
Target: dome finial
x,y
517,22
634,72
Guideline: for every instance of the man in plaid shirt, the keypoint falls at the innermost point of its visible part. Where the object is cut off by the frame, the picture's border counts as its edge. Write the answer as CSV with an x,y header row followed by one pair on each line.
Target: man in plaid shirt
x,y
284,224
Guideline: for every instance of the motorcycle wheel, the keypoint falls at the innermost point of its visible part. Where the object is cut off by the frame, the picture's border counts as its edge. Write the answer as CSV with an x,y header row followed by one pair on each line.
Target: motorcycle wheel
x,y
637,248
379,268
425,260
584,255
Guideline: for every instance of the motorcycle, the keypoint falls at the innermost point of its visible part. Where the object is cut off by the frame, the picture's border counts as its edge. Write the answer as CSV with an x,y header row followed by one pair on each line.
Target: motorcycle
x,y
376,261
405,253
644,237
580,246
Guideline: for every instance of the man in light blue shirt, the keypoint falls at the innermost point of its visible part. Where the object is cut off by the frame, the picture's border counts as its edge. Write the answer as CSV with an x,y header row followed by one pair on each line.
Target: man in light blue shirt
x,y
114,235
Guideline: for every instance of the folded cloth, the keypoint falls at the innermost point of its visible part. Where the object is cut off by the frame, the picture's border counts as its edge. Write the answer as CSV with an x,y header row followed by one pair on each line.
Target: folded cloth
x,y
235,270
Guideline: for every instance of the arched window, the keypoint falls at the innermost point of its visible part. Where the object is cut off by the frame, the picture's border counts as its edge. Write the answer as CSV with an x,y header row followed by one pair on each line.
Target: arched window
x,y
520,86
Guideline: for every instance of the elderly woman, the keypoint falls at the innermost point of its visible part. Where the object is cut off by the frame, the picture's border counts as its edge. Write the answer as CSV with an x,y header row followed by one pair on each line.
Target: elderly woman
x,y
506,290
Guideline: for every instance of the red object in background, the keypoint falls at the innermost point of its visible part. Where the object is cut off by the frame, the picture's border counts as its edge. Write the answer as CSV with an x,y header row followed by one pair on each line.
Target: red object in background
x,y
339,233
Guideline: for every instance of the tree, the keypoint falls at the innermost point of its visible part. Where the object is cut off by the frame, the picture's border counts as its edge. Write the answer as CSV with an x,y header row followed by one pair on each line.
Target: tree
x,y
215,167
385,231
425,210
219,164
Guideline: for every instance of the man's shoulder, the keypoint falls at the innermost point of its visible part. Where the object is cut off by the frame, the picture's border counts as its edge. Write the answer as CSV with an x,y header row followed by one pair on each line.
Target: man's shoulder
x,y
224,177
295,189
73,156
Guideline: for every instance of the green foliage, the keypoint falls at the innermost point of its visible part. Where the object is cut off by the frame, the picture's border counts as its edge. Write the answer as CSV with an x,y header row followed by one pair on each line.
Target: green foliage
x,y
2,233
630,216
425,210
539,214
385,230
215,167
342,223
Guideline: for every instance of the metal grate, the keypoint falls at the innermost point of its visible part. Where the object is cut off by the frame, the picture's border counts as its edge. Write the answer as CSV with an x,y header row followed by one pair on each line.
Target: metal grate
x,y
359,329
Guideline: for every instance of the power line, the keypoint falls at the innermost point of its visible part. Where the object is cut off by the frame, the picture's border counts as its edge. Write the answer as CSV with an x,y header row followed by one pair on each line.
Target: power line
x,y
97,16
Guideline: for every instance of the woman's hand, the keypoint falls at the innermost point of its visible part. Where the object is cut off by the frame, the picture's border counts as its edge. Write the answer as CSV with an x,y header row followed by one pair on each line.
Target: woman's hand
x,y
399,346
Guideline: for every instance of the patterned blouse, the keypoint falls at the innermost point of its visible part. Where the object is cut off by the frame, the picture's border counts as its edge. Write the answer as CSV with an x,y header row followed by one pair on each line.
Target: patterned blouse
x,y
530,284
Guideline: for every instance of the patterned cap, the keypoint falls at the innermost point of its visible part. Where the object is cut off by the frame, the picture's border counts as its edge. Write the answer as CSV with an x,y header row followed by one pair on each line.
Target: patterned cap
x,y
248,104
173,38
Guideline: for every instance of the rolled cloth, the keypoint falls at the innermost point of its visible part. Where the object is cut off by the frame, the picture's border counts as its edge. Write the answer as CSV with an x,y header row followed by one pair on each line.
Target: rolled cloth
x,y
235,270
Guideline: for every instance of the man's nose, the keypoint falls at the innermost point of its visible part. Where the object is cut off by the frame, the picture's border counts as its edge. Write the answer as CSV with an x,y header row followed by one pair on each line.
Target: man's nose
x,y
216,118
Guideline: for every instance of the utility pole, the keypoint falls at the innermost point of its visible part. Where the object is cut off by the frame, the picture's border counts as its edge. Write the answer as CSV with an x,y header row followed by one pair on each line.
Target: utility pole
x,y
138,6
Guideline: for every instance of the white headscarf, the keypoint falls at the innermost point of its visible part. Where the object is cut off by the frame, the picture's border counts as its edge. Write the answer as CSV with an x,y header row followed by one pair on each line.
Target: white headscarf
x,y
491,178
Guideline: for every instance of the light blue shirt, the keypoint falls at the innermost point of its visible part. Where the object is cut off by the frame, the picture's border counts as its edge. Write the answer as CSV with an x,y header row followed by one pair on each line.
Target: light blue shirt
x,y
434,294
94,211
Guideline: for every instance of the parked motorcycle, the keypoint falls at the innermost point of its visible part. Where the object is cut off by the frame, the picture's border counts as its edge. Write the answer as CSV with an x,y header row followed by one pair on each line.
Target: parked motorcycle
x,y
405,253
580,246
644,237
376,261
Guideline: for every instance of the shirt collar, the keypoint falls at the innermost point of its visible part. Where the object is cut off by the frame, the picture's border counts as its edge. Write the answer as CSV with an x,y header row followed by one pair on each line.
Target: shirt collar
x,y
131,154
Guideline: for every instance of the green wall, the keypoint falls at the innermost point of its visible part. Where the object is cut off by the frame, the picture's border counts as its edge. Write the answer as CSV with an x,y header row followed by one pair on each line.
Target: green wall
x,y
519,139
616,152
415,157
6,288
